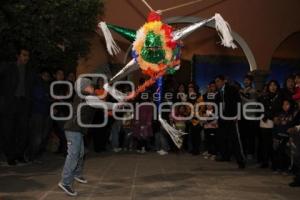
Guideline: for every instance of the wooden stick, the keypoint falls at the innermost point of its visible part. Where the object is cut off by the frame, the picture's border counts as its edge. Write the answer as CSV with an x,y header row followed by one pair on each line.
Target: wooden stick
x,y
180,6
147,4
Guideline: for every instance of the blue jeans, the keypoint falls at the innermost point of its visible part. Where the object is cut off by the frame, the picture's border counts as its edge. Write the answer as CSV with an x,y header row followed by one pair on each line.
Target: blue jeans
x,y
74,161
161,141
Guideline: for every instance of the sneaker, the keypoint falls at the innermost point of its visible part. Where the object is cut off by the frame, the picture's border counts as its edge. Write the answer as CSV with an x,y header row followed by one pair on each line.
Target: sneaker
x,y
264,166
213,157
141,151
162,152
294,184
284,173
116,150
205,153
11,162
207,156
250,157
67,189
38,162
81,180
22,161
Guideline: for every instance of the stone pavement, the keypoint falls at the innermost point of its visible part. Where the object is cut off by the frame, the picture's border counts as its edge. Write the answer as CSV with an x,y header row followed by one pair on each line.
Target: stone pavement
x,y
150,176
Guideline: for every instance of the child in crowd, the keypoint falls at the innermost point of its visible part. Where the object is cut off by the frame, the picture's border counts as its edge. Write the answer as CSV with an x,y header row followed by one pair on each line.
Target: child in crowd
x,y
177,118
127,123
142,128
210,129
282,122
195,126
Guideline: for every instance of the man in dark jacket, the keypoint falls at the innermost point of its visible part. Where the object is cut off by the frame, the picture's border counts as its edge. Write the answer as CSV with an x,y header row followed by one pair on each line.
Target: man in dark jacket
x,y
249,128
15,83
40,118
74,132
228,137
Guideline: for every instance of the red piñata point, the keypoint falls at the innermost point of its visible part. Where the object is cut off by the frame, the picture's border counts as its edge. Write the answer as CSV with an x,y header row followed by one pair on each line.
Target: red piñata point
x,y
153,16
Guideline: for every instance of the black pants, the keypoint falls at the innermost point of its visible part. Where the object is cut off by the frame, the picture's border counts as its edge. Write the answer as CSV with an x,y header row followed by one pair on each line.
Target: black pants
x,y
297,167
296,140
142,142
100,135
229,141
210,140
58,128
266,145
14,130
248,132
8,137
100,138
39,132
280,158
195,134
22,126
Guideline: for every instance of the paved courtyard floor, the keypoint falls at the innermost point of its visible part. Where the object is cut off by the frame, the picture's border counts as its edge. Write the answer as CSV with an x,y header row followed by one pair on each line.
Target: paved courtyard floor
x,y
144,177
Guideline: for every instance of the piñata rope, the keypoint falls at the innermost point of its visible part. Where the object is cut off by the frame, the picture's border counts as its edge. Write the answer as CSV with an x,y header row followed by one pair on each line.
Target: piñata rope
x,y
179,6
145,85
148,5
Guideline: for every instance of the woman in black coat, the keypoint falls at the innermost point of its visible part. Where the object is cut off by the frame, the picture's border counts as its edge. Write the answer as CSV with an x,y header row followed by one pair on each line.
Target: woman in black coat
x,y
272,101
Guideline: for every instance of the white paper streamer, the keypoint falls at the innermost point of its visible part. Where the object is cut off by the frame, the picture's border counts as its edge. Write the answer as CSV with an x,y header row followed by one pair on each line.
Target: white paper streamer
x,y
176,135
224,31
111,45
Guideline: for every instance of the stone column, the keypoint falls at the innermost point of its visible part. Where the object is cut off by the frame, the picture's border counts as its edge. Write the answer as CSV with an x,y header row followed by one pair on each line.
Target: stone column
x,y
260,78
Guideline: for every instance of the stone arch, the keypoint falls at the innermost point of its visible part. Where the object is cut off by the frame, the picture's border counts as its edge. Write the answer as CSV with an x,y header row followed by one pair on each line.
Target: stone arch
x,y
290,45
285,59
